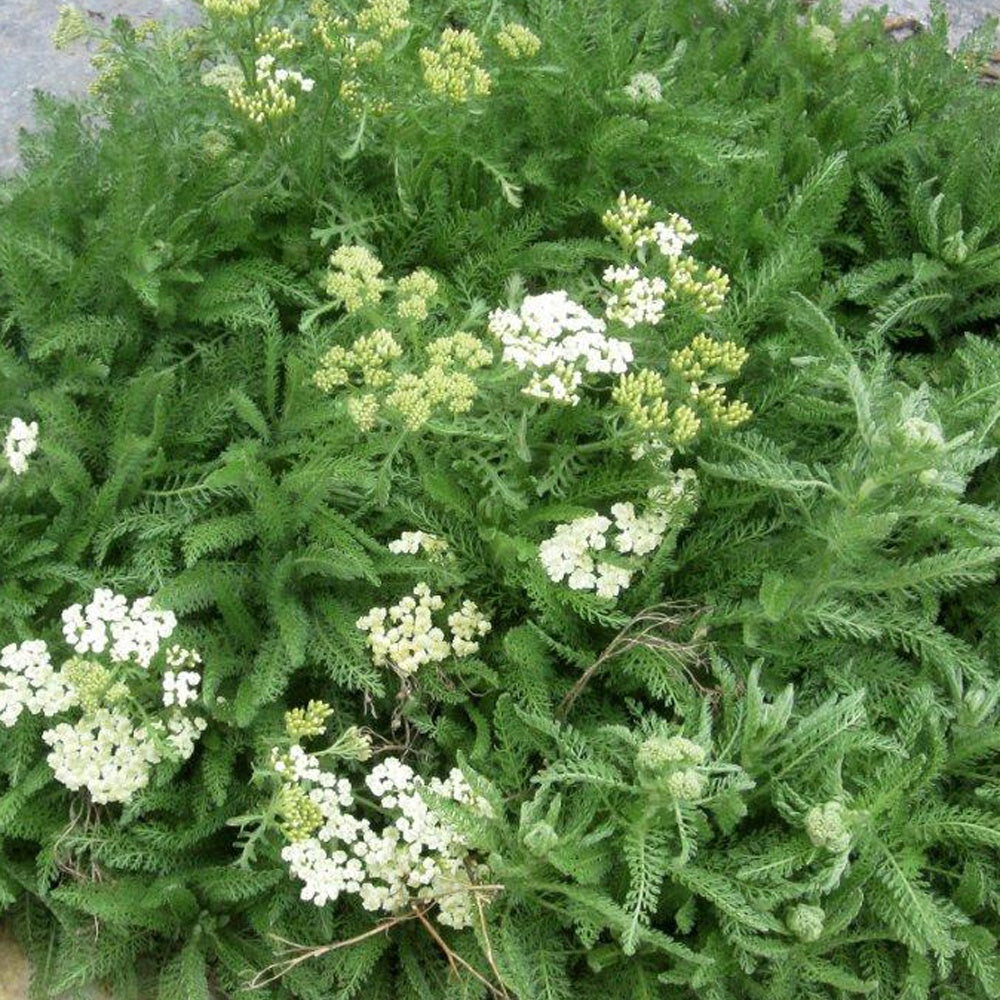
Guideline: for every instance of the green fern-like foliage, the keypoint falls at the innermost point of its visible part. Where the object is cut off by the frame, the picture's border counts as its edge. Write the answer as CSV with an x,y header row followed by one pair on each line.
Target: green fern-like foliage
x,y
768,768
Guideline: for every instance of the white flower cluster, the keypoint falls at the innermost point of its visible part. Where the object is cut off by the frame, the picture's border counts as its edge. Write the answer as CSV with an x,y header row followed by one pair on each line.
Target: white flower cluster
x,y
104,750
413,542
558,341
405,637
134,633
671,237
21,441
180,686
29,682
416,856
635,299
644,88
573,551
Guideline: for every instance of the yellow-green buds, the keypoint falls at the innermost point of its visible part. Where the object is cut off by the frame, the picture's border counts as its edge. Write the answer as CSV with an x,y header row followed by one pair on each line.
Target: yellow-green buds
x,y
626,220
232,8
805,922
354,278
641,395
71,27
703,356
364,410
308,721
413,294
302,817
409,397
452,70
92,683
518,42
384,17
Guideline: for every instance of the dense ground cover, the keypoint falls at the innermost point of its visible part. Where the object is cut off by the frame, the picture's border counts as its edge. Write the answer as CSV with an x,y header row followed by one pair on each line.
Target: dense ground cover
x,y
502,500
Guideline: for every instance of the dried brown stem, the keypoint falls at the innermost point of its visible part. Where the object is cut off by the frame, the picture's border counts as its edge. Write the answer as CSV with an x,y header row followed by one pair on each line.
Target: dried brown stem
x,y
650,622
454,959
279,969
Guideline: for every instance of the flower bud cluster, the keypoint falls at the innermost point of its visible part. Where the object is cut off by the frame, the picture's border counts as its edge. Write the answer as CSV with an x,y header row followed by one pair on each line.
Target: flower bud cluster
x,y
414,542
642,397
558,341
366,360
105,750
518,42
354,278
673,762
21,441
415,856
236,9
329,27
705,357
698,370
273,94
71,26
805,922
308,721
405,636
411,397
826,826
384,18
644,88
452,70
413,294
460,349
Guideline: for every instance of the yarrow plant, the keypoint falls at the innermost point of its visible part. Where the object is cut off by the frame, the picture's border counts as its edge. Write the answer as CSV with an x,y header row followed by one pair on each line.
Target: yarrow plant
x,y
120,733
412,367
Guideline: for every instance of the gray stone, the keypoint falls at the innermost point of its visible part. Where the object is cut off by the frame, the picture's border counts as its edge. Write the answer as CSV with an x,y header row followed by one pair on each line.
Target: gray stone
x,y
29,60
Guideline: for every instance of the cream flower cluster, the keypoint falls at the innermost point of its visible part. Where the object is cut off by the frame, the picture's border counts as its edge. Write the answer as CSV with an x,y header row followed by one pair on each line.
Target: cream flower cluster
x,y
104,750
21,441
274,93
574,552
107,623
414,542
405,637
29,682
416,857
518,42
635,299
644,88
558,341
